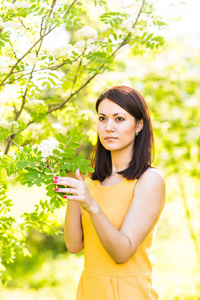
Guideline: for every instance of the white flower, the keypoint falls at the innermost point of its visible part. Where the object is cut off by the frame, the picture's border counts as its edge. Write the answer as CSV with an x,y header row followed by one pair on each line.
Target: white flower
x,y
79,46
11,25
36,102
31,58
127,24
5,63
47,147
64,51
87,33
5,124
50,51
17,5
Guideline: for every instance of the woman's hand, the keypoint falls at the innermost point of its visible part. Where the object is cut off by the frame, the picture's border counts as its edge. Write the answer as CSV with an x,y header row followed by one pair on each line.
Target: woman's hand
x,y
78,191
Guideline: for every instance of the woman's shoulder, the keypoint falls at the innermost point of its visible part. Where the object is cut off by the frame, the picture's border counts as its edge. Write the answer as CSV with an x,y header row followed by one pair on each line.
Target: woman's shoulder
x,y
151,188
153,173
152,177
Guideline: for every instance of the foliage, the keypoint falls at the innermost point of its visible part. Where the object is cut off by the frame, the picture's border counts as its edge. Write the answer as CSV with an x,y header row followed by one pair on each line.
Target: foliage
x,y
44,93
44,77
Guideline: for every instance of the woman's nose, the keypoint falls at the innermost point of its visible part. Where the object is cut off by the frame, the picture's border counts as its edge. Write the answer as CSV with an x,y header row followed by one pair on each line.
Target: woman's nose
x,y
110,125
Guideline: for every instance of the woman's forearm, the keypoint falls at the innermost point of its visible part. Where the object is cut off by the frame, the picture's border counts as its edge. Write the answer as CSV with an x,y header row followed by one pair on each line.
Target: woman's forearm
x,y
116,244
73,228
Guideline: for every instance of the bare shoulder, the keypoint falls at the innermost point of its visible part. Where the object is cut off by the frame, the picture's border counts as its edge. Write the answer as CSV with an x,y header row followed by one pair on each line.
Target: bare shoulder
x,y
152,175
152,182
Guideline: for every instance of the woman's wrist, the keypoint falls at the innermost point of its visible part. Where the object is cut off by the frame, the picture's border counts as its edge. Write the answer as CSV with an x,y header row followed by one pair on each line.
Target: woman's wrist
x,y
94,208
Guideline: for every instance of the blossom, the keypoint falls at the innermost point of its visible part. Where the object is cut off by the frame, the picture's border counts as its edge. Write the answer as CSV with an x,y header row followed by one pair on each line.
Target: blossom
x,y
36,102
31,58
5,124
47,147
127,24
10,25
64,51
79,46
5,63
87,32
17,5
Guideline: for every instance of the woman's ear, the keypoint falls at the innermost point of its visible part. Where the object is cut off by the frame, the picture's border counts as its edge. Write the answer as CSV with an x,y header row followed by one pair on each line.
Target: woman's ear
x,y
139,125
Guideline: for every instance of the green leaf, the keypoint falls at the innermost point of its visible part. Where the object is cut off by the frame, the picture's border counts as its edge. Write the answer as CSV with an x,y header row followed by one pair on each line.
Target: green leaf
x,y
149,36
56,151
68,166
89,169
4,133
32,164
70,151
73,145
22,165
86,162
62,138
73,131
76,139
52,81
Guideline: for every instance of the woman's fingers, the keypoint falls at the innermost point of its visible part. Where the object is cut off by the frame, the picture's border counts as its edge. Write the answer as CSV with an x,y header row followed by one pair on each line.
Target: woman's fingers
x,y
74,183
67,190
76,198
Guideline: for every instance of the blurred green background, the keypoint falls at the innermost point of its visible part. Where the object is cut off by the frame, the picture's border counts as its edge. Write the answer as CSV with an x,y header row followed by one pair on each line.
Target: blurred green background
x,y
170,83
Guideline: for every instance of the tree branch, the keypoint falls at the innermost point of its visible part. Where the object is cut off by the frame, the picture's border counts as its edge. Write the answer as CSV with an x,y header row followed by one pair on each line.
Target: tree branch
x,y
18,113
29,50
55,67
24,95
76,75
123,43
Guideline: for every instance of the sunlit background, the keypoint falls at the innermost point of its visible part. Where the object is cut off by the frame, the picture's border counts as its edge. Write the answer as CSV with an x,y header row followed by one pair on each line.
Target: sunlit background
x,y
170,84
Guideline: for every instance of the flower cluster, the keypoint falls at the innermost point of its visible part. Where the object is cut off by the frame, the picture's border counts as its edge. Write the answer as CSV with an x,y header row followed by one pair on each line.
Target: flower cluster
x,y
87,32
47,147
17,5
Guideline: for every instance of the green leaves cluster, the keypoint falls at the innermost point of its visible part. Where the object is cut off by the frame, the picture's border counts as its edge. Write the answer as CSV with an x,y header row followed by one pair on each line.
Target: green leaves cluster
x,y
31,168
47,87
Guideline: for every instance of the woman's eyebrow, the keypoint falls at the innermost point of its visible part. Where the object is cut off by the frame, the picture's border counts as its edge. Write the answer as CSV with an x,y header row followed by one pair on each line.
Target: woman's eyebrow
x,y
119,113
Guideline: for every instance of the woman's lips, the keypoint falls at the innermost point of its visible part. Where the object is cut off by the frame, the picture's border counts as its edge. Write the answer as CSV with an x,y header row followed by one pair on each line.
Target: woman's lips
x,y
110,138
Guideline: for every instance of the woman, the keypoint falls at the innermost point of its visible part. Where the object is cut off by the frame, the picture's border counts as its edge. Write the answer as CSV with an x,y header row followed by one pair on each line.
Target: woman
x,y
115,221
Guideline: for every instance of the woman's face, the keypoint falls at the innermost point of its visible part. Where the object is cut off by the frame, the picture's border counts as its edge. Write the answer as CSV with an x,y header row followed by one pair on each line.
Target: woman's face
x,y
116,127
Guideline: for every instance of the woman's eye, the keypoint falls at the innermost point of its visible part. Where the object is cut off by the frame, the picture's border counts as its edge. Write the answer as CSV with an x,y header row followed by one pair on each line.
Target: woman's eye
x,y
101,118
120,119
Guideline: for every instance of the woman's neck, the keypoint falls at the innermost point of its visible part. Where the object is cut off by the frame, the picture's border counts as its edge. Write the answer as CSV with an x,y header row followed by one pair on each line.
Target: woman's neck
x,y
120,161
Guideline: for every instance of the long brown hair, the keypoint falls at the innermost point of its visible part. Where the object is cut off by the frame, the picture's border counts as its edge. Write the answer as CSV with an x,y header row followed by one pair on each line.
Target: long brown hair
x,y
133,102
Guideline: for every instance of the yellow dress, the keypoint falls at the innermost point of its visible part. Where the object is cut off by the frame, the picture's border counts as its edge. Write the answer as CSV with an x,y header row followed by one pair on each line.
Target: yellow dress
x,y
102,278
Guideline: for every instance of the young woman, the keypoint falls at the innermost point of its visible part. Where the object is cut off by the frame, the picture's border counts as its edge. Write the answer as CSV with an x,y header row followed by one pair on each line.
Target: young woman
x,y
114,221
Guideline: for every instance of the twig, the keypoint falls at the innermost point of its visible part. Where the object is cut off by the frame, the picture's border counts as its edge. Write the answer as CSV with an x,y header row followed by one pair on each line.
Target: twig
x,y
13,50
18,113
42,69
76,75
23,24
15,143
24,95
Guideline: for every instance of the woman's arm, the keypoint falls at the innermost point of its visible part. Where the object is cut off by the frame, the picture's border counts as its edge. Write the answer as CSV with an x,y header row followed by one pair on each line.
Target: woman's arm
x,y
147,204
145,208
73,232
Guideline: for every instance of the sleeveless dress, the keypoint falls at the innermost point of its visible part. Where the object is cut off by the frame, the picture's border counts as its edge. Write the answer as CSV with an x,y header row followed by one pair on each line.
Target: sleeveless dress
x,y
102,278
